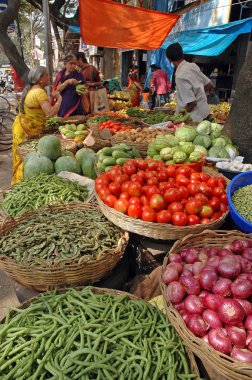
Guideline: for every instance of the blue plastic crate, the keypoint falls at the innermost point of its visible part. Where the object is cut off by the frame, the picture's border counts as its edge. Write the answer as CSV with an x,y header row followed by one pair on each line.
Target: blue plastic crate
x,y
241,180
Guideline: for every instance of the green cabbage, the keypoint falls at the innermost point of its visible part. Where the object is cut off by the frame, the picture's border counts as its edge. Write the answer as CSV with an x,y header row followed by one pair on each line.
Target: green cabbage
x,y
195,157
171,140
185,133
223,153
203,140
216,127
179,157
159,145
204,128
220,141
187,148
228,140
232,150
157,157
218,152
201,149
166,153
215,134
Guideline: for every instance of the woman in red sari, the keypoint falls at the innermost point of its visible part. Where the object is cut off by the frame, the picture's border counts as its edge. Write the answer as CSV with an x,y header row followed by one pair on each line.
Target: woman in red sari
x,y
134,86
65,83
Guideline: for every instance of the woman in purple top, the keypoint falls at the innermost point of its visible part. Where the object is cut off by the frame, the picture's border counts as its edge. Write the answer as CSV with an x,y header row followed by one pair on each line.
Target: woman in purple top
x,y
160,84
65,83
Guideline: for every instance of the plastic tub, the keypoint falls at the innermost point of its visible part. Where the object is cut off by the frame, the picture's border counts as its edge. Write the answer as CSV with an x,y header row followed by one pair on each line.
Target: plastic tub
x,y
238,181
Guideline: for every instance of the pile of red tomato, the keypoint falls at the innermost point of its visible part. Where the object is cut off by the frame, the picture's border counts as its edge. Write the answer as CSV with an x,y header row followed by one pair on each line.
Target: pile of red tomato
x,y
114,126
155,192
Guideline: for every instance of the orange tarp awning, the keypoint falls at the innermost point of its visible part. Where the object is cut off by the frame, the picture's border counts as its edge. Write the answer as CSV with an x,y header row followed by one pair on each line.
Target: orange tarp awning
x,y
109,24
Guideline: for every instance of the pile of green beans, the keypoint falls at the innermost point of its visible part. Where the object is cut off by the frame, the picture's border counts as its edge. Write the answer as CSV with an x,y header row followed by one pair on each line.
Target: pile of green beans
x,y
82,335
242,200
60,237
41,190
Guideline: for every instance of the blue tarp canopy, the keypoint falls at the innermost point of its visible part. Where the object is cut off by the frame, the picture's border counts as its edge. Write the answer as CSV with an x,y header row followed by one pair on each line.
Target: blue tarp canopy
x,y
209,41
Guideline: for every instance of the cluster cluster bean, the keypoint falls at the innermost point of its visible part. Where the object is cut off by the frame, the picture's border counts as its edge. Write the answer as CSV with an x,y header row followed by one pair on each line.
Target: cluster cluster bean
x,y
52,237
82,335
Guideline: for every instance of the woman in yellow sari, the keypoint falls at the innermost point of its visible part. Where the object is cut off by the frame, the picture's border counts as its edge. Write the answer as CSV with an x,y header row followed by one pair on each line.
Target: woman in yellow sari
x,y
34,108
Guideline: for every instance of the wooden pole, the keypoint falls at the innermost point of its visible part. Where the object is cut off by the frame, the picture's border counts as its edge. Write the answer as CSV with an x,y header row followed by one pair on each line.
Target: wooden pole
x,y
48,41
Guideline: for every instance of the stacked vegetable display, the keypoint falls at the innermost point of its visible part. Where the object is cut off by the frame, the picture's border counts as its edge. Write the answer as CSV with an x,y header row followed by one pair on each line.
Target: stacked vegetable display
x,y
118,154
162,117
91,334
74,132
154,192
242,200
212,288
140,135
114,126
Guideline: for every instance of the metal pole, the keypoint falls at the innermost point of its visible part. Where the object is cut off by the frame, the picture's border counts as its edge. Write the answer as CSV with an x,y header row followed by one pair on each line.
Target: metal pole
x,y
48,41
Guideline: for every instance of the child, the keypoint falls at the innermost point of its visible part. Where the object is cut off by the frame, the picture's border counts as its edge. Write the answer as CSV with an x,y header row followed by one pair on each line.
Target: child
x,y
146,98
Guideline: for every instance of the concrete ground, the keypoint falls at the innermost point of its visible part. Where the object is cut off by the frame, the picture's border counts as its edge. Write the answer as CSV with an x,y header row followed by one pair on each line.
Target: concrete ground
x,y
7,291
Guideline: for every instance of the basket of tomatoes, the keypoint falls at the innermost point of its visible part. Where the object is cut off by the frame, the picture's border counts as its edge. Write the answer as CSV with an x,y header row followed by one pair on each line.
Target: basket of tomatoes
x,y
160,201
114,126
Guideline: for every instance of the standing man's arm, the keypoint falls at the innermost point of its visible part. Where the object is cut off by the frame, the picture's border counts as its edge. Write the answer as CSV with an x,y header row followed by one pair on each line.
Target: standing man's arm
x,y
187,97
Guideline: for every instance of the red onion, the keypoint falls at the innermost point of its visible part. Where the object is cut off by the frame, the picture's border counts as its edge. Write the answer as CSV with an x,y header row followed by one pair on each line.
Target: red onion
x,y
213,251
211,318
227,246
207,268
237,246
175,258
231,312
219,340
237,336
194,305
249,338
177,266
191,284
250,277
205,338
197,325
202,256
212,301
170,275
242,276
203,295
175,292
208,279
189,251
248,322
246,265
241,355
246,305
250,346
229,267
186,316
214,261
186,273
203,251
191,257
241,326
188,267
222,287
224,252
241,289
179,306
247,254
246,243
197,266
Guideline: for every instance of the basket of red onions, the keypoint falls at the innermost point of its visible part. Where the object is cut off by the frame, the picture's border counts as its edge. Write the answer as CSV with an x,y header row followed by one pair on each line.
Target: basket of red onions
x,y
207,289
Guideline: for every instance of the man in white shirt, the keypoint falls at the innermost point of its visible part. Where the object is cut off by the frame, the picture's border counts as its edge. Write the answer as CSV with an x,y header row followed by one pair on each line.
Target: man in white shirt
x,y
191,85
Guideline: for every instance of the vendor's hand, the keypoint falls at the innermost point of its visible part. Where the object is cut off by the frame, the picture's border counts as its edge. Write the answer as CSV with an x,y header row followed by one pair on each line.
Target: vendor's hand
x,y
190,106
72,81
56,95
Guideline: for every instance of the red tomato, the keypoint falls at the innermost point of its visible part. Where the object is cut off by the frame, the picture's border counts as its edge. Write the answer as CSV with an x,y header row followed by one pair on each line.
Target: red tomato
x,y
221,181
114,172
172,195
218,191
151,190
150,174
183,202
137,178
179,219
152,165
205,221
141,174
152,181
125,186
201,197
135,189
223,207
182,180
171,171
124,195
185,170
216,215
183,192
110,200
215,203
135,211
130,167
193,188
193,219
144,200
204,177
175,207
103,193
161,166
121,205
135,201
212,182
223,198
99,186
195,176
164,216
148,214
206,212
171,183
157,202
205,189
101,180
122,178
162,175
193,206
141,164
162,187
115,188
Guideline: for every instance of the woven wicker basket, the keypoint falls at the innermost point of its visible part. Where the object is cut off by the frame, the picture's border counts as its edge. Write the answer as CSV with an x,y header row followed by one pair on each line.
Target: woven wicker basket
x,y
110,292
46,277
142,148
222,366
65,144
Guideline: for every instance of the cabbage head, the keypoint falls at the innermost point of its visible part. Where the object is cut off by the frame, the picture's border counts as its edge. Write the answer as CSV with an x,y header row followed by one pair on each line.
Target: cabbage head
x,y
232,150
171,140
201,149
187,147
220,141
215,134
204,128
166,153
195,157
228,140
223,153
215,127
185,133
214,151
179,157
203,140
